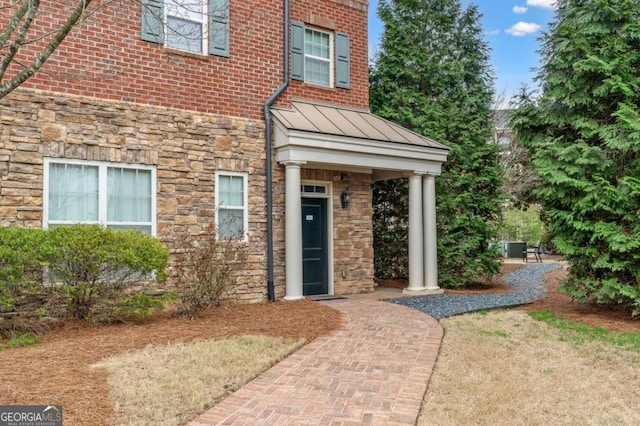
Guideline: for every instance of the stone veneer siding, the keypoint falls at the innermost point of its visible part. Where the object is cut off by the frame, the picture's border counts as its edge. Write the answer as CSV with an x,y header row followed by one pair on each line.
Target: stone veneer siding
x,y
186,148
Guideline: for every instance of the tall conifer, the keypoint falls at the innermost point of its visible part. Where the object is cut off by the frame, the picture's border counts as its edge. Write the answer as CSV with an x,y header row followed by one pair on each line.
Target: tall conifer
x,y
432,75
584,137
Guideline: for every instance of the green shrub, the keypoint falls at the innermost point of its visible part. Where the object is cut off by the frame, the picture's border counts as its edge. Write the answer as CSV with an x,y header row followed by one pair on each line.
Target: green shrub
x,y
140,305
391,229
94,272
206,270
22,255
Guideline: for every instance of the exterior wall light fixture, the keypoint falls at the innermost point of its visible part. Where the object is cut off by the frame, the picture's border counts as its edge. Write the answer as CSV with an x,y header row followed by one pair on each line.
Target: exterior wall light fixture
x,y
345,198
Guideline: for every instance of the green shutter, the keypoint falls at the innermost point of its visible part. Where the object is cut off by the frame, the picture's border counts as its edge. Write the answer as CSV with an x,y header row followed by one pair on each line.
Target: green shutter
x,y
297,50
152,17
219,27
343,61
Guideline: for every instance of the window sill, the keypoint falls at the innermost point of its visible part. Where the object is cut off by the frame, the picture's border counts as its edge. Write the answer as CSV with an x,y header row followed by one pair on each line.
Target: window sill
x,y
177,52
318,86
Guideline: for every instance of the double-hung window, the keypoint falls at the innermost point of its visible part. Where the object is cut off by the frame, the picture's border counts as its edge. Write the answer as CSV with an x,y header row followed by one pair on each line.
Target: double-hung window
x,y
186,22
112,195
320,57
231,205
317,57
195,26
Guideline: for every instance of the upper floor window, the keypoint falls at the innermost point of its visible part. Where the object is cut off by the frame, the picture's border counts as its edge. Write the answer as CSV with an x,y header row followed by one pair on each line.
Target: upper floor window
x,y
196,26
186,24
315,53
117,196
317,57
231,202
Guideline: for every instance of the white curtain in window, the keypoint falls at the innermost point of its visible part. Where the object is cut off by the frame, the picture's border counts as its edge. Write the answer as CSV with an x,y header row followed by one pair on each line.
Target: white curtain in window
x,y
128,195
231,206
73,192
184,35
186,25
231,191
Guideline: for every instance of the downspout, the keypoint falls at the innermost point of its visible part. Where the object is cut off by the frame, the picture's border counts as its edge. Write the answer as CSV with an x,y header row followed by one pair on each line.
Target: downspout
x,y
267,118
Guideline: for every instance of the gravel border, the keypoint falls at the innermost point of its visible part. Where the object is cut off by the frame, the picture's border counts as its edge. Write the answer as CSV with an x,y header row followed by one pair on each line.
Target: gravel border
x,y
527,285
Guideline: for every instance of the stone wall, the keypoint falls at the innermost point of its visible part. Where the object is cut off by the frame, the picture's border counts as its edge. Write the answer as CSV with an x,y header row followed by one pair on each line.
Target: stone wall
x,y
186,148
353,268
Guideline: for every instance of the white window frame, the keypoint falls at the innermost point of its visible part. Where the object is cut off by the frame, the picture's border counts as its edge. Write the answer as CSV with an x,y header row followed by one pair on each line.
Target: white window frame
x,y
103,168
331,60
204,22
245,200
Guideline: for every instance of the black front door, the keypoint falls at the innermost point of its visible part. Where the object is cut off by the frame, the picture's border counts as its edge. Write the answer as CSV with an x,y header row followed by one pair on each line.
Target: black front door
x,y
314,247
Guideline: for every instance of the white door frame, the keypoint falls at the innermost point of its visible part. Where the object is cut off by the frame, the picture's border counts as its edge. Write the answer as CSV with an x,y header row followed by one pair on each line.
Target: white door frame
x,y
328,196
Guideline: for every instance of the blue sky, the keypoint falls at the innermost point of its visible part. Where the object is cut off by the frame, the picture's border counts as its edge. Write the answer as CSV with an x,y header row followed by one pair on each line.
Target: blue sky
x,y
511,29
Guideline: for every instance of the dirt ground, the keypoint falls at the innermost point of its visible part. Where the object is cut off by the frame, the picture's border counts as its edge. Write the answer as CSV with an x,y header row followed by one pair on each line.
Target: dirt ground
x,y
58,370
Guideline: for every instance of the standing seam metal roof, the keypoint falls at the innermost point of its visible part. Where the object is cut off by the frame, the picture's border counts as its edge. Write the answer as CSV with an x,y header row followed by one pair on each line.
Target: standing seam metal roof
x,y
342,121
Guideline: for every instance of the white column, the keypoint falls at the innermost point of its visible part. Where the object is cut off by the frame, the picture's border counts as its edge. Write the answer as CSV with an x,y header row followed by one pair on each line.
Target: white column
x,y
293,232
430,234
416,256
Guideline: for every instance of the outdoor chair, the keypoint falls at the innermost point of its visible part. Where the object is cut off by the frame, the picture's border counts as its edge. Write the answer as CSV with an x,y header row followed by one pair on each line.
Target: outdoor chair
x,y
535,250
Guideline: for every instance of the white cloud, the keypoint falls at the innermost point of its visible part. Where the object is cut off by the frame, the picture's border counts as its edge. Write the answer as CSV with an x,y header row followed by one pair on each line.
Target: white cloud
x,y
493,32
547,4
519,9
523,28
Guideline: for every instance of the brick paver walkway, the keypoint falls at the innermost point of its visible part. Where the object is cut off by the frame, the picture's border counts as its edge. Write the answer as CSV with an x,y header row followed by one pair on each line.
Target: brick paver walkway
x,y
373,371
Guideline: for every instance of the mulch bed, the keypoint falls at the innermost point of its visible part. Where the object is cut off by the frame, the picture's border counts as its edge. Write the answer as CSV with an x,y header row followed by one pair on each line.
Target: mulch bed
x,y
58,371
611,317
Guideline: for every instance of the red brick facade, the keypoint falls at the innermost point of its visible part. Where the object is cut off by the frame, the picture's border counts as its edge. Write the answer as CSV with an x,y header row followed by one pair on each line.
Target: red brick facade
x,y
106,58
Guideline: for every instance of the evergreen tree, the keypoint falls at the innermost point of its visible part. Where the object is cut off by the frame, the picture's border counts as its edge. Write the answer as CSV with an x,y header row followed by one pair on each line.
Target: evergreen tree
x,y
432,76
584,136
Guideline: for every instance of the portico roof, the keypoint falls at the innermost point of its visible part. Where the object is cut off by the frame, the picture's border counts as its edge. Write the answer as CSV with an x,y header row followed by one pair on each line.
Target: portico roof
x,y
336,137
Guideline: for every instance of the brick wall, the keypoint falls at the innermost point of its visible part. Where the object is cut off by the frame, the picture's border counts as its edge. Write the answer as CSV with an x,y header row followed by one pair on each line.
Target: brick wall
x,y
345,16
105,58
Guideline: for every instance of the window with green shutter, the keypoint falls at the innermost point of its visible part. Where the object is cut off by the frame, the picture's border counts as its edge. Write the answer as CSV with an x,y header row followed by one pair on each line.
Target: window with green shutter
x,y
312,56
196,26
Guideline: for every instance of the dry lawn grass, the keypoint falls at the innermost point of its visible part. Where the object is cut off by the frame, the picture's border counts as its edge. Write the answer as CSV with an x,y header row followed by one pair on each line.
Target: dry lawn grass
x,y
505,368
169,385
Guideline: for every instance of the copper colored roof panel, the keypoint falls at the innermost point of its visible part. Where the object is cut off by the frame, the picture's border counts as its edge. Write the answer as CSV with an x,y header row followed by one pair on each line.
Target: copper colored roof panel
x,y
343,121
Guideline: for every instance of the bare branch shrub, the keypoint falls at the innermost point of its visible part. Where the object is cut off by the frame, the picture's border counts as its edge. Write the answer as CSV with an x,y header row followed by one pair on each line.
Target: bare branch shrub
x,y
207,268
